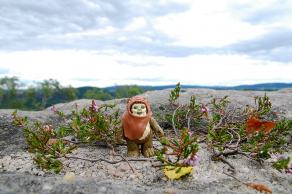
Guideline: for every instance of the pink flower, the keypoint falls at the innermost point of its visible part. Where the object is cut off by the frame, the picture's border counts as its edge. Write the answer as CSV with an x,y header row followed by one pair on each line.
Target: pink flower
x,y
279,156
205,110
54,109
48,128
191,161
93,106
289,170
52,141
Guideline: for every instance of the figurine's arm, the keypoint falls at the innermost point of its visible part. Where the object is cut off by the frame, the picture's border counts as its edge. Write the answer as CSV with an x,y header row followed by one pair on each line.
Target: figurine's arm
x,y
156,128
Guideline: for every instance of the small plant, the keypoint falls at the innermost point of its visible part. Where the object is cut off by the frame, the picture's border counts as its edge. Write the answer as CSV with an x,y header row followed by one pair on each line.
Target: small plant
x,y
255,132
96,124
174,94
264,105
43,141
282,163
90,125
178,156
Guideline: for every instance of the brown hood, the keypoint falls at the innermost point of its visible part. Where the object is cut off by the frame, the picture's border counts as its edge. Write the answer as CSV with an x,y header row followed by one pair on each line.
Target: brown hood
x,y
134,126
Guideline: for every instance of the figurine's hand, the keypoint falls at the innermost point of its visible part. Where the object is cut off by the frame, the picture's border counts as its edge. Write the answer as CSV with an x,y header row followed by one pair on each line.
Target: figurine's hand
x,y
156,128
161,133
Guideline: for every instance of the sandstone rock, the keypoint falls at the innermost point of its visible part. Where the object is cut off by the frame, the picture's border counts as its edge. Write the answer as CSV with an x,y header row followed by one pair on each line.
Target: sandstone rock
x,y
102,177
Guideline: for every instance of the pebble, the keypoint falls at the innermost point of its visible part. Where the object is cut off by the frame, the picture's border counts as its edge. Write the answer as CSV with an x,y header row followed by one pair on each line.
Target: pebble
x,y
102,190
124,167
69,177
47,187
133,177
111,169
34,170
41,173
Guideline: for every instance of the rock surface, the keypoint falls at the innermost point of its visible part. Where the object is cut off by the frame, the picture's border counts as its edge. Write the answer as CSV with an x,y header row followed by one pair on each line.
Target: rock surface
x,y
18,173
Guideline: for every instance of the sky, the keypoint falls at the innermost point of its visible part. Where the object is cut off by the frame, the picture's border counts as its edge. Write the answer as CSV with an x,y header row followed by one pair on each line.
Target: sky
x,y
147,42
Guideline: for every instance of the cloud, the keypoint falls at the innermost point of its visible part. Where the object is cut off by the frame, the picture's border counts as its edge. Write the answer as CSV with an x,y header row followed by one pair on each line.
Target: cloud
x,y
80,68
278,11
3,71
156,27
275,45
98,42
29,24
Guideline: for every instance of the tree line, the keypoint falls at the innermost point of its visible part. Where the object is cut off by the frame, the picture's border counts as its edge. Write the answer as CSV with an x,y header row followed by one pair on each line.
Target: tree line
x,y
15,94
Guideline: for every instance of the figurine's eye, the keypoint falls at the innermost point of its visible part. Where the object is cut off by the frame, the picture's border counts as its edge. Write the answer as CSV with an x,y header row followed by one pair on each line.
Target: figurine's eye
x,y
135,107
142,106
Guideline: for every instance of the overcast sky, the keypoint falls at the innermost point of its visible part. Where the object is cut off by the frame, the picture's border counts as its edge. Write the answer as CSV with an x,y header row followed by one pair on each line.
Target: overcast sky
x,y
147,42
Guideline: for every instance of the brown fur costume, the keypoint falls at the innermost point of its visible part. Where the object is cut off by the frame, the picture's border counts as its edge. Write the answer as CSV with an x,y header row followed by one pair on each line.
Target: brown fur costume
x,y
134,127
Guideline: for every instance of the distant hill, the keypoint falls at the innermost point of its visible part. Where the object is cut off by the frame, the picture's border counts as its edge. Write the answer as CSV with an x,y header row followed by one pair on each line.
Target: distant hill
x,y
256,87
49,94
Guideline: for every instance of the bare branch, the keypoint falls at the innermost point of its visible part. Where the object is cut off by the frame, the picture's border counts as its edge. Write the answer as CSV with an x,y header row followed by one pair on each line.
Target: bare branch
x,y
173,123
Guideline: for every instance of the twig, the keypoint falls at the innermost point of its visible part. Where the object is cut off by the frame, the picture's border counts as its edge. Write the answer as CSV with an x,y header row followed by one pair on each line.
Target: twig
x,y
232,176
219,123
238,137
127,162
173,124
231,138
228,163
219,156
225,153
189,120
111,161
95,160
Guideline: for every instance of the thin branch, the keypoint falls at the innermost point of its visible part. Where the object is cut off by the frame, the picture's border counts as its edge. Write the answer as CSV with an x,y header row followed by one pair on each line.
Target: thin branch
x,y
228,163
238,137
127,162
112,161
173,123
231,138
95,160
188,119
232,176
219,123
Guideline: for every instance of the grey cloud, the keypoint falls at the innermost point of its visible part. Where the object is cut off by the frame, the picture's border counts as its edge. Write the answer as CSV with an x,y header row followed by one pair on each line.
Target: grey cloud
x,y
141,64
262,13
3,71
145,41
30,24
86,79
24,21
154,79
274,46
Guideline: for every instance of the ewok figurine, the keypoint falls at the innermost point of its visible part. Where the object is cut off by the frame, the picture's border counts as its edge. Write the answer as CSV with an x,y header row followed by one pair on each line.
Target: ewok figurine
x,y
138,127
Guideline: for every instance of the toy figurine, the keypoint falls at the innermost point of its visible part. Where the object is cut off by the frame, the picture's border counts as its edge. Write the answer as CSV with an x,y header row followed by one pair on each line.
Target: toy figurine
x,y
138,127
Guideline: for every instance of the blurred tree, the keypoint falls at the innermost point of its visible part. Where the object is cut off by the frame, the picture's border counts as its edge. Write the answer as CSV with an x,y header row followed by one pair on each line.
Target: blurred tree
x,y
69,93
128,91
31,99
48,87
1,95
9,86
97,93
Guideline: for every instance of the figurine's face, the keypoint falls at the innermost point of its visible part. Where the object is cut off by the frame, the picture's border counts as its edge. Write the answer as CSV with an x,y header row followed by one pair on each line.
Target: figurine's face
x,y
139,109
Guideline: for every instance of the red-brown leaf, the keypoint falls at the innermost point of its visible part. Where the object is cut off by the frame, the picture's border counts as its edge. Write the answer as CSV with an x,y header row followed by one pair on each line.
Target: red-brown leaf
x,y
260,187
255,125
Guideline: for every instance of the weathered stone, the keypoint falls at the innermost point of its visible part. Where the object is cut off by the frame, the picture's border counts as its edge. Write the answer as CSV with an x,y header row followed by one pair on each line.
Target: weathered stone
x,y
102,177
